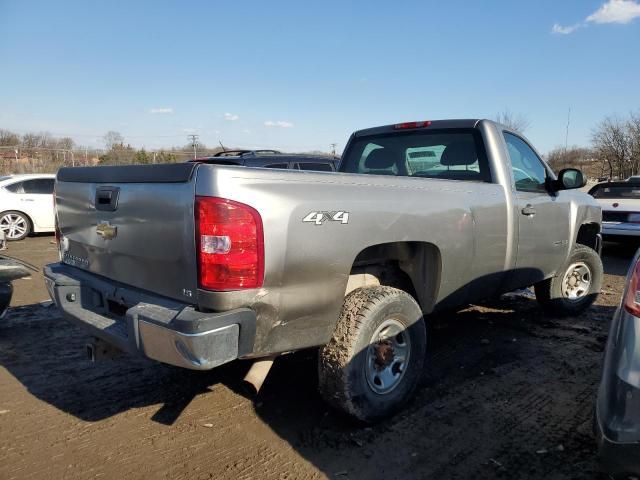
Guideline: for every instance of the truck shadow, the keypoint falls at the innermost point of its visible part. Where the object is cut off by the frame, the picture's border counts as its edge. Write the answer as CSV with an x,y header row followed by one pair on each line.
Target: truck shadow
x,y
499,376
47,355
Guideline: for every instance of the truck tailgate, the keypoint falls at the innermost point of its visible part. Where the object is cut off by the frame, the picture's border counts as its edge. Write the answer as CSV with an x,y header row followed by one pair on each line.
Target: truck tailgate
x,y
132,224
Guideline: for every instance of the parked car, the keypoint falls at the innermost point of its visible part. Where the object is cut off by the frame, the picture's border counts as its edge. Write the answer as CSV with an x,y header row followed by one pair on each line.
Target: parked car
x,y
618,406
620,202
11,269
26,205
272,159
199,264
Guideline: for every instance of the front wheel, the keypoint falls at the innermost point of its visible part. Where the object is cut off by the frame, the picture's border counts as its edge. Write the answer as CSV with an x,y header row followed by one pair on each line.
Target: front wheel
x,y
373,364
575,287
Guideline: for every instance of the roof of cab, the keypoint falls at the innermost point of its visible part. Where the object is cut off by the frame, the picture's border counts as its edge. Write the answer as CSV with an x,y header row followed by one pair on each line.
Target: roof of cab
x,y
434,124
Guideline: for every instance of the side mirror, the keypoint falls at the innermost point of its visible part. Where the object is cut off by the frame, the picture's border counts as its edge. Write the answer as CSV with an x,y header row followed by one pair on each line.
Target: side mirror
x,y
569,178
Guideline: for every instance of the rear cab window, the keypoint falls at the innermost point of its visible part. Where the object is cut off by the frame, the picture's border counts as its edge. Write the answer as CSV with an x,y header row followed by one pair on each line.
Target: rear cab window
x,y
451,154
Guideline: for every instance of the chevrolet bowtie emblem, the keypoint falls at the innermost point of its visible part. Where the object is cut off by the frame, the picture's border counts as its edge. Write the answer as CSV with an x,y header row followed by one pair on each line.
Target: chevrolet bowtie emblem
x,y
106,230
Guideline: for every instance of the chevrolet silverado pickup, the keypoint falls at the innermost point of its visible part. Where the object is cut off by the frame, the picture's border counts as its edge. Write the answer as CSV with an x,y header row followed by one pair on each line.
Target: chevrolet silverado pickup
x,y
197,264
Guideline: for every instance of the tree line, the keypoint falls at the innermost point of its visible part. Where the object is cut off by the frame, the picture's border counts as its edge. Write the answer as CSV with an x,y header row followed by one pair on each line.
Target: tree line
x,y
41,152
614,151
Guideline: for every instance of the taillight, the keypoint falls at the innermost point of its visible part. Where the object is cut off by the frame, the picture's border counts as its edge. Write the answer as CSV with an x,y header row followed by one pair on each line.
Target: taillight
x,y
230,244
632,298
406,125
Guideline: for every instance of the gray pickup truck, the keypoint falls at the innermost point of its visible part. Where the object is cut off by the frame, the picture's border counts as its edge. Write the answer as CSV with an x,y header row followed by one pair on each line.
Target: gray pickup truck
x,y
196,265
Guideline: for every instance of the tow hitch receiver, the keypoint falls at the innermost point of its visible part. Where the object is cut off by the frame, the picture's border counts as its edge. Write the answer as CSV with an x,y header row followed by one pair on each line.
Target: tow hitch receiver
x,y
98,350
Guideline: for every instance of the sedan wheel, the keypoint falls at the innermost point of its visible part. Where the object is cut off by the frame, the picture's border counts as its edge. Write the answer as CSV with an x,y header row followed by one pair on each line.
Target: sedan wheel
x,y
14,225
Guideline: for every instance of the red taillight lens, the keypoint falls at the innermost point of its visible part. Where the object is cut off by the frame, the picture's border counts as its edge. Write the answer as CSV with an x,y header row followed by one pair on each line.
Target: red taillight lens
x,y
632,298
230,244
406,125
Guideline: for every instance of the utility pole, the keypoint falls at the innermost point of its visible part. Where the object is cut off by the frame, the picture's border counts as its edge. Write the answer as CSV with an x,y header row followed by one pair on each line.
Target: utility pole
x,y
333,148
194,143
566,136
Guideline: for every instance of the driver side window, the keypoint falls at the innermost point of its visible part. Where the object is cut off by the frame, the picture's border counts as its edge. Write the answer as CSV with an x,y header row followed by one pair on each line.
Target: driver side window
x,y
529,172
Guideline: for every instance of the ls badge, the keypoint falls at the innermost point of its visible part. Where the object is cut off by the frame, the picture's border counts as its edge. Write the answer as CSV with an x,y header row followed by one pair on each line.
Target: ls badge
x,y
106,230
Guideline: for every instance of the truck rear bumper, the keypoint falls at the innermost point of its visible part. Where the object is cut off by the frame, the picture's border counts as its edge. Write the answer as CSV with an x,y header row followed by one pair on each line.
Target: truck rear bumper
x,y
156,327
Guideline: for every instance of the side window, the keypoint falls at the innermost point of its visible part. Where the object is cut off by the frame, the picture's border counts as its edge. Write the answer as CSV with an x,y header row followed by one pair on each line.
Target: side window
x,y
277,165
529,172
316,167
15,187
43,186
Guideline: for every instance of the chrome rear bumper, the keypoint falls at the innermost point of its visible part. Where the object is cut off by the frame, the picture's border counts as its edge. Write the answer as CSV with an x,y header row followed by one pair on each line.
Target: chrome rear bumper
x,y
156,327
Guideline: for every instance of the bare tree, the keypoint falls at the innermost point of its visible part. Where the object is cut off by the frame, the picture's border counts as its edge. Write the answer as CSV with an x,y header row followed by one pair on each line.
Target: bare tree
x,y
633,132
8,138
572,157
113,139
611,143
518,122
65,143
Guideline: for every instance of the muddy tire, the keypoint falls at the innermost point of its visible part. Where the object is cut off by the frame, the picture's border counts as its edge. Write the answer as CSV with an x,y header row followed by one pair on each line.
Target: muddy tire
x,y
373,363
576,285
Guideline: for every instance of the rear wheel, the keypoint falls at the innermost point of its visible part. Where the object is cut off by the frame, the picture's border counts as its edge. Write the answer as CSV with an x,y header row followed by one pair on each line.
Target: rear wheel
x,y
373,364
575,287
15,225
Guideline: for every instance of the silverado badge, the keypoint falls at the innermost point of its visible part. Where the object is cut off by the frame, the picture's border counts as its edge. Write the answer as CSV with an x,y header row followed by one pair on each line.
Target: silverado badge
x,y
106,230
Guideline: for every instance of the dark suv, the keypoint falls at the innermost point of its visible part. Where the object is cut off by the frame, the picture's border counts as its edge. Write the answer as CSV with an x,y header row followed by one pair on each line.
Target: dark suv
x,y
272,159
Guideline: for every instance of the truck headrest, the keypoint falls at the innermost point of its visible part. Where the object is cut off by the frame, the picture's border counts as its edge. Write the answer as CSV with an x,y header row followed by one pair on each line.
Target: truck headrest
x,y
459,153
379,159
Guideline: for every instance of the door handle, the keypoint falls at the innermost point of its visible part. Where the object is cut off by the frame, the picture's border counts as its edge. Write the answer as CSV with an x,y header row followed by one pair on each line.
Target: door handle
x,y
529,211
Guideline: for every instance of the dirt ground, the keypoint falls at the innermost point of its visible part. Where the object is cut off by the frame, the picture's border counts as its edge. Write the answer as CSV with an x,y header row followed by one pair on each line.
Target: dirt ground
x,y
507,393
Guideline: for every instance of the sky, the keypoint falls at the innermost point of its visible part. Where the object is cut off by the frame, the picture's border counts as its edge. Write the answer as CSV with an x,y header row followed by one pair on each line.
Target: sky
x,y
300,76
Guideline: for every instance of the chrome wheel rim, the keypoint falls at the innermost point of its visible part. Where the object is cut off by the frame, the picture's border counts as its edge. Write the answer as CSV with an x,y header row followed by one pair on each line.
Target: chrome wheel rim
x,y
576,282
13,225
387,356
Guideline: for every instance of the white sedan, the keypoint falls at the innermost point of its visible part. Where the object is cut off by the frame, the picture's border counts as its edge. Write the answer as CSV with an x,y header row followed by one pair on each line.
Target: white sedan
x,y
620,202
26,205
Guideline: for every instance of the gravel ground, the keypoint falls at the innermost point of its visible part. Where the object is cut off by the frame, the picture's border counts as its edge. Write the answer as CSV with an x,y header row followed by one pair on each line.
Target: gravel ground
x,y
507,393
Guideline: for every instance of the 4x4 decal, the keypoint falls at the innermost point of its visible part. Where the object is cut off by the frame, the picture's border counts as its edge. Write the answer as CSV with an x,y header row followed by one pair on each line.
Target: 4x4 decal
x,y
318,218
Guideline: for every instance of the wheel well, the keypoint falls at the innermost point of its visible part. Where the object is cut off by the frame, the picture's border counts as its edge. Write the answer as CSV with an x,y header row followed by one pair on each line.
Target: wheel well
x,y
588,235
410,266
